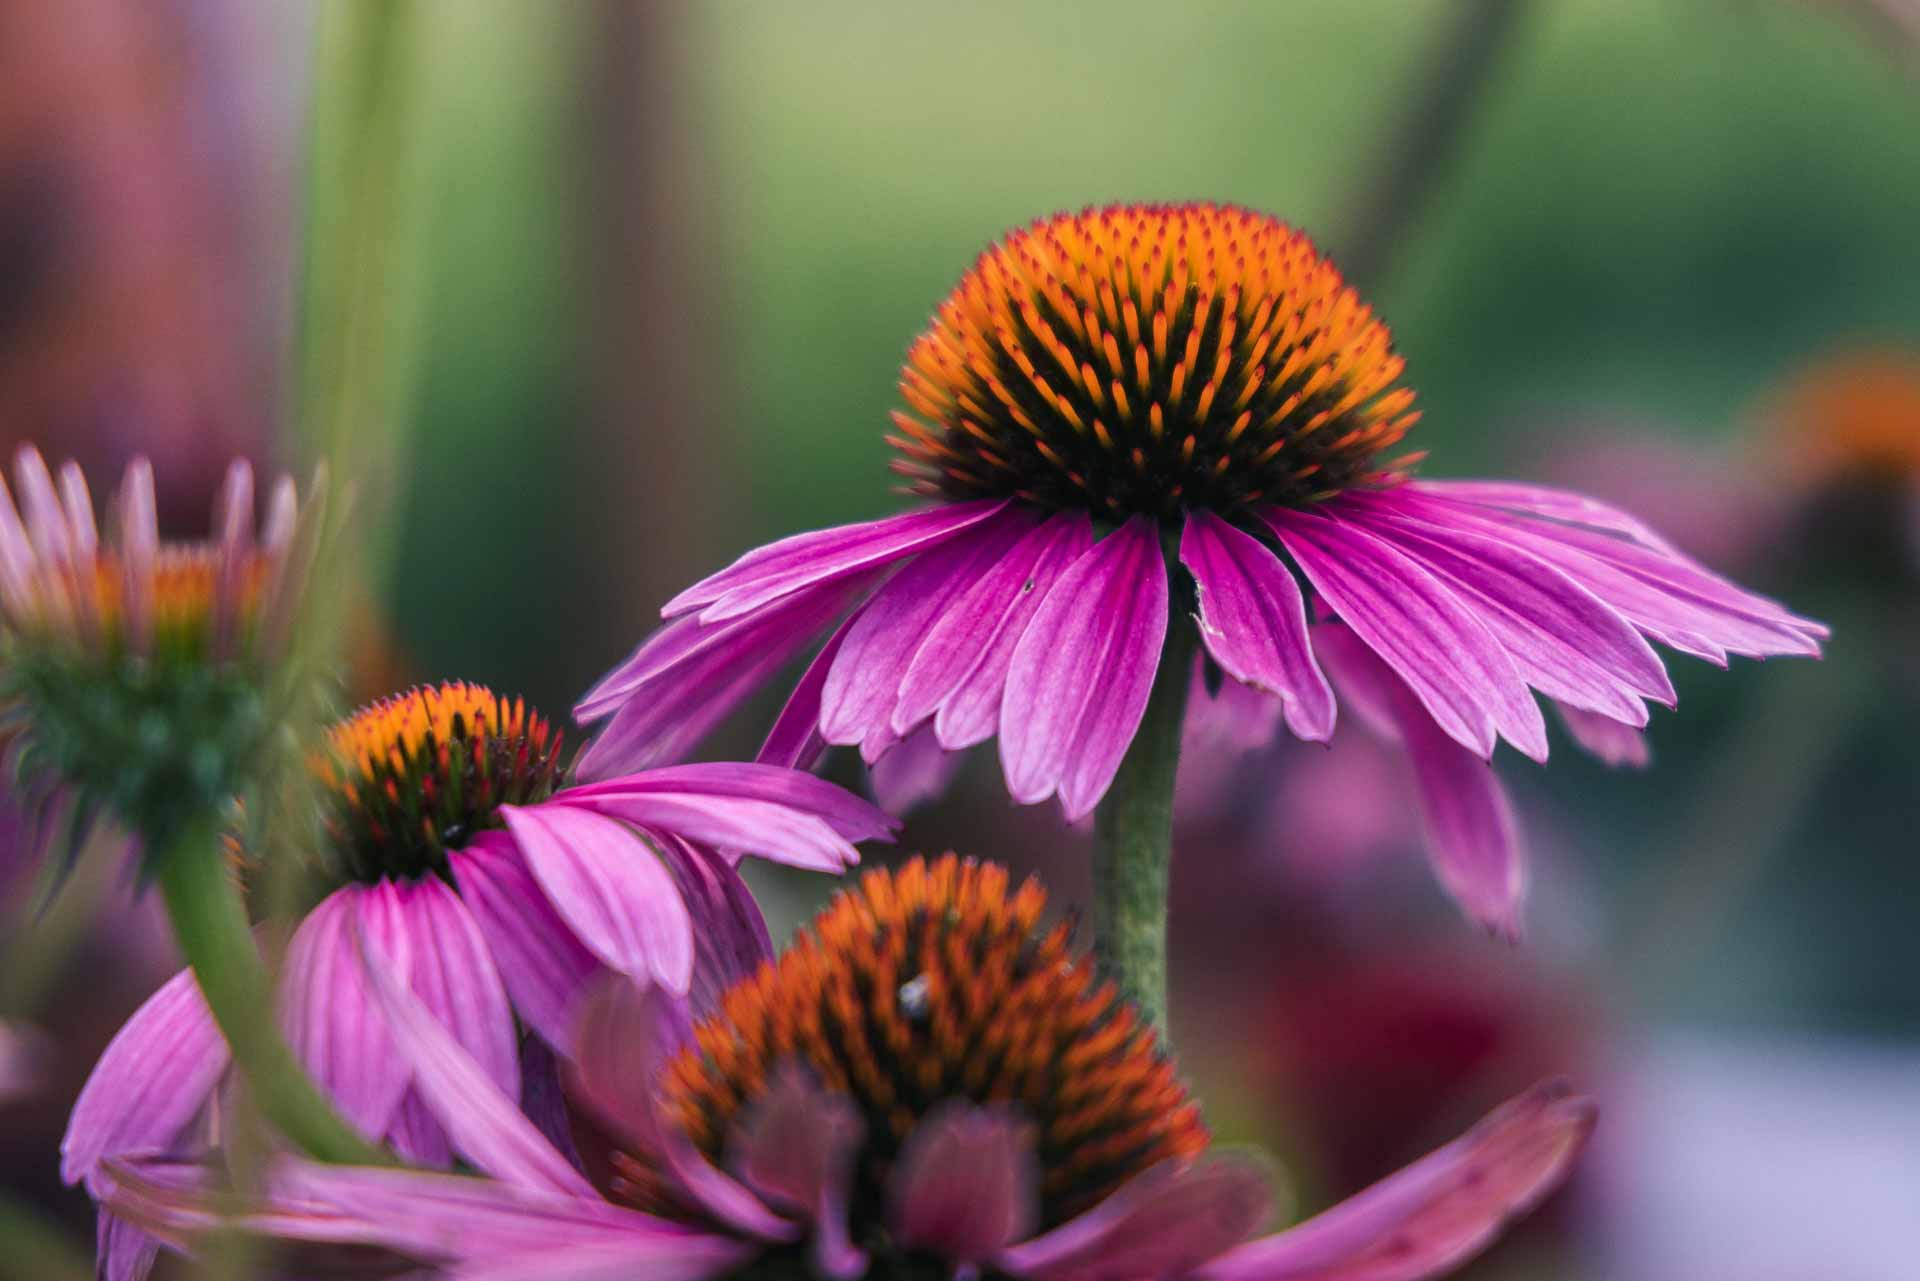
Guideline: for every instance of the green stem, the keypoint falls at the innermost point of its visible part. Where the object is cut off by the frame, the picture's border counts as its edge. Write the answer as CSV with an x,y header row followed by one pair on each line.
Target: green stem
x,y
1133,838
210,922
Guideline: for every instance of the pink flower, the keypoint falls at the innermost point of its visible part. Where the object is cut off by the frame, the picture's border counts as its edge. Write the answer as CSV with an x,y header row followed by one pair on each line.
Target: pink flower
x,y
136,673
1136,413
495,899
983,1106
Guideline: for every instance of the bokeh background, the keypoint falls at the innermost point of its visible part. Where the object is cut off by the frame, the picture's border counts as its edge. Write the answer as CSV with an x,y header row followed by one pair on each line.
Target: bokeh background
x,y
590,297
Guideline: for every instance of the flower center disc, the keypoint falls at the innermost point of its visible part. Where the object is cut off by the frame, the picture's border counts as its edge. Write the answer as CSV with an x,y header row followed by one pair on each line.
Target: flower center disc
x,y
1149,358
417,774
934,983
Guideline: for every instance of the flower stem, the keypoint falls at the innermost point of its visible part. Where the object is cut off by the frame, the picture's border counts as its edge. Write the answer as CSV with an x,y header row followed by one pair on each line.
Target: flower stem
x,y
1133,838
211,924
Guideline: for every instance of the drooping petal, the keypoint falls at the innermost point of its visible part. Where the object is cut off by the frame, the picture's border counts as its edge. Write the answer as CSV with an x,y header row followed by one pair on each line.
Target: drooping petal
x,y
1435,1214
967,1183
1564,641
625,1035
795,741
608,883
328,1010
545,967
1473,839
1253,621
463,1095
1550,503
841,810
454,978
153,1080
959,673
121,1251
1082,671
768,573
913,772
694,675
730,939
1421,629
1162,1223
772,831
1605,738
435,1218
795,1147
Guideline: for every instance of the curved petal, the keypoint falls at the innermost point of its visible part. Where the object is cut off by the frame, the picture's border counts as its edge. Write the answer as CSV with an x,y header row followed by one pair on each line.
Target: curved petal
x,y
150,1084
1254,621
862,689
1444,653
121,1251
328,1011
455,979
845,813
626,1034
768,573
772,831
795,1147
608,883
484,1124
1473,839
545,967
1163,1223
967,1184
1605,738
1549,503
1435,1214
914,771
795,741
1082,671
1565,641
959,671
730,939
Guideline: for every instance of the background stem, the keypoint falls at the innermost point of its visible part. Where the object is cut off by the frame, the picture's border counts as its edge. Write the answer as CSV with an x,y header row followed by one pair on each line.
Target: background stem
x,y
1133,838
211,924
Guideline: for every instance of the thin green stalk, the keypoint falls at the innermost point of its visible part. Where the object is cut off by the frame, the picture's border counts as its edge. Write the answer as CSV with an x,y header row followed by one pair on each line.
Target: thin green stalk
x,y
210,922
1133,838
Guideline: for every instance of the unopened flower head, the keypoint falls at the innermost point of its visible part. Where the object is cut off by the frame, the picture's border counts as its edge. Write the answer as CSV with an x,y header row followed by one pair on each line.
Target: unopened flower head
x,y
140,673
1132,415
929,1083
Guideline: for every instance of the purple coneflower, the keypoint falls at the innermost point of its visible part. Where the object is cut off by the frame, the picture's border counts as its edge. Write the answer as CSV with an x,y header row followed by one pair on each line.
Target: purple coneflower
x,y
137,675
497,896
930,1083
1131,416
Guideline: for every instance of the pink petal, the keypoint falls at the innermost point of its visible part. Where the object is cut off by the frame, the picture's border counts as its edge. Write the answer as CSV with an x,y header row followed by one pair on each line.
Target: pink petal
x,y
150,1084
121,1251
1473,839
626,1034
1435,1214
1082,671
1564,641
959,673
848,815
795,740
455,980
1605,738
858,699
545,967
139,539
328,1011
914,771
1420,628
967,1183
795,1147
774,832
1163,1223
233,536
484,1124
1254,621
609,885
730,939
1549,503
18,562
769,573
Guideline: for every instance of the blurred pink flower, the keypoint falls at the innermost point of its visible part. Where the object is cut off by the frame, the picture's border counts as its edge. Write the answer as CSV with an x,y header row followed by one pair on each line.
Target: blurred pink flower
x,y
925,1162
1032,602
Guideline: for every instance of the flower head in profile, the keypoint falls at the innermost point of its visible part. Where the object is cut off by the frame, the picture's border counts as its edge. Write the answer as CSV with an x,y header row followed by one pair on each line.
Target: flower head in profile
x,y
928,1083
497,895
139,676
1129,415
